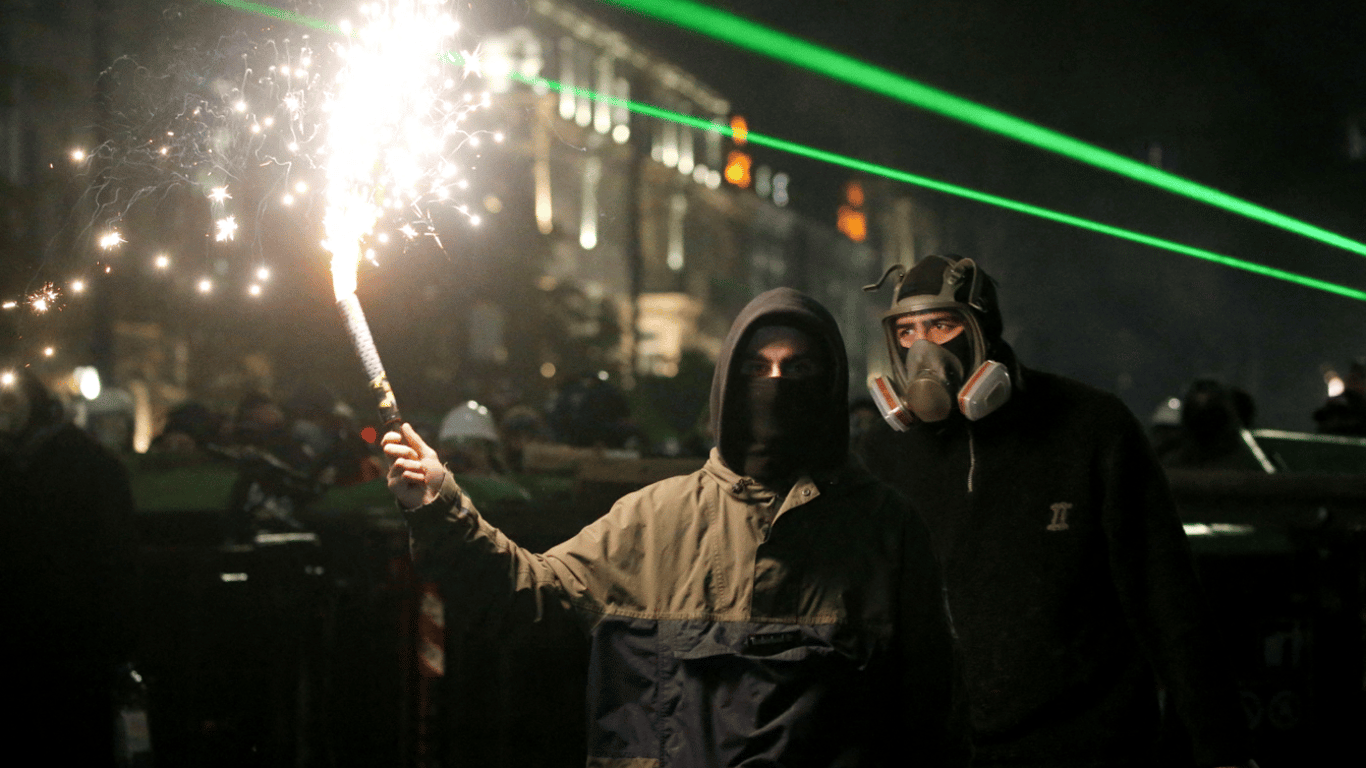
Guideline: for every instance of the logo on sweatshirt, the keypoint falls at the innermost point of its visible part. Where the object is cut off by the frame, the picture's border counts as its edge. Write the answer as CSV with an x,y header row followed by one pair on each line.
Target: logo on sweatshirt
x,y
1059,516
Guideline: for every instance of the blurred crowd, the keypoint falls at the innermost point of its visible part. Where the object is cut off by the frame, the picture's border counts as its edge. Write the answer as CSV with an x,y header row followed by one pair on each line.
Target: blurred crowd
x,y
317,436
68,531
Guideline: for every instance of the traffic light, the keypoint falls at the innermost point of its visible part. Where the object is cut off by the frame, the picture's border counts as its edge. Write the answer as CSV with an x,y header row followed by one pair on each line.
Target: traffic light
x,y
850,219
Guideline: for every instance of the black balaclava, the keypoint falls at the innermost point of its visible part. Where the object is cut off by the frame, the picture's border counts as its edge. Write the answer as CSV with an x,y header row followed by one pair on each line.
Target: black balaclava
x,y
774,429
782,424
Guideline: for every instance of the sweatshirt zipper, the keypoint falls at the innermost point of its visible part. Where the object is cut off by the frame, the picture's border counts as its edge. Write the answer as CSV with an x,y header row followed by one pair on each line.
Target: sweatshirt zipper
x,y
972,460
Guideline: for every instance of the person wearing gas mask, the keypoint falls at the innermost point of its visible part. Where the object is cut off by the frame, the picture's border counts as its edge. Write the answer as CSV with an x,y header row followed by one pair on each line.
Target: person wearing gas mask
x,y
1069,577
776,607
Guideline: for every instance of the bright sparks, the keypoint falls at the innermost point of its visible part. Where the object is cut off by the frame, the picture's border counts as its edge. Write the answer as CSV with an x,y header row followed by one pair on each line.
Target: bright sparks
x,y
43,299
111,240
219,194
392,122
227,228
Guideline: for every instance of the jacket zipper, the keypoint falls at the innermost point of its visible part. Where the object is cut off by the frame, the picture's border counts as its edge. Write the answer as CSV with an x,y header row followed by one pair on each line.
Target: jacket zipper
x,y
972,460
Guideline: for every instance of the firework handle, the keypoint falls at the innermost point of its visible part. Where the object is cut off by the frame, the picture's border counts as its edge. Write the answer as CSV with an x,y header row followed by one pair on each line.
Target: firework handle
x,y
364,344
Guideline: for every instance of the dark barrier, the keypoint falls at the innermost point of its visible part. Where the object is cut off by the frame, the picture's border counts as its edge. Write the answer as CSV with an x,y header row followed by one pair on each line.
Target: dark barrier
x,y
1281,558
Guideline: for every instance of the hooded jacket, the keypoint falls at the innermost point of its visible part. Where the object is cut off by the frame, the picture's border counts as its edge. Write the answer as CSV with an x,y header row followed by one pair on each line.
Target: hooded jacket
x,y
731,624
1068,574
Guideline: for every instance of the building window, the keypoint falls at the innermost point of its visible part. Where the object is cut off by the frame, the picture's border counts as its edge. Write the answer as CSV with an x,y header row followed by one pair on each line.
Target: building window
x,y
583,75
678,209
685,146
588,217
567,58
602,110
621,114
669,154
713,148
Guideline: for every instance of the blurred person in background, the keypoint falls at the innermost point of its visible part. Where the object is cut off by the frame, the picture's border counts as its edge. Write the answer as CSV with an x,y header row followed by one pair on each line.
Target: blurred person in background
x,y
522,426
1345,413
67,563
259,423
190,426
468,442
1213,417
325,432
591,412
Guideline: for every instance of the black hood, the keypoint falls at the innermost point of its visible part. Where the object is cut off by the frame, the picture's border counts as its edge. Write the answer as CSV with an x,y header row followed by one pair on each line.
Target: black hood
x,y
927,278
783,306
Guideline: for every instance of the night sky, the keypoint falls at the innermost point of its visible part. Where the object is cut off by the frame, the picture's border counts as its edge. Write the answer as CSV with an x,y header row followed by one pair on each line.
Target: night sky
x,y
1252,98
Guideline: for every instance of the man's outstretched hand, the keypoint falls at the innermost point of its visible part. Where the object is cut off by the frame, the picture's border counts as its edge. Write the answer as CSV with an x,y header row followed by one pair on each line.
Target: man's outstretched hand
x,y
415,472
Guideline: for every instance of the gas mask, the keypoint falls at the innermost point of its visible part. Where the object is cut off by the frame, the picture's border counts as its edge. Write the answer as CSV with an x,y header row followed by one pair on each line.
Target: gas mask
x,y
929,381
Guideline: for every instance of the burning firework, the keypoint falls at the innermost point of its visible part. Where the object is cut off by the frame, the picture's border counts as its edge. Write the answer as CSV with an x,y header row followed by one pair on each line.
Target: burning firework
x,y
355,131
44,298
394,126
372,117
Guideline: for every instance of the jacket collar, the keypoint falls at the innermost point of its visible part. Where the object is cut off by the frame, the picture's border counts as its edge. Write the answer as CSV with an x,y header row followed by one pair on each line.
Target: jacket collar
x,y
808,487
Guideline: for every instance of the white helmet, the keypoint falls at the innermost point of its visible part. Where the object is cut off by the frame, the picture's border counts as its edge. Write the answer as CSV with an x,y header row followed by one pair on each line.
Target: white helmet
x,y
466,421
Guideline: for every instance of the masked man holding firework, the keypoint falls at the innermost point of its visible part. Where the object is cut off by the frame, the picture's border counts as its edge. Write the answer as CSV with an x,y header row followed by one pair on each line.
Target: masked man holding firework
x,y
1067,569
776,607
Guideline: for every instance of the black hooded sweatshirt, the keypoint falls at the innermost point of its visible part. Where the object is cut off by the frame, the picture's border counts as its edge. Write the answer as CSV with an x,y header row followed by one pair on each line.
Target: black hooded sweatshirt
x,y
1069,577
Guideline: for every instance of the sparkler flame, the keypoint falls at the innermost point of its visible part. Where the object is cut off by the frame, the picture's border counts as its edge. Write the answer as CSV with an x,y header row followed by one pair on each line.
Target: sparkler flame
x,y
371,128
44,298
227,227
392,123
111,240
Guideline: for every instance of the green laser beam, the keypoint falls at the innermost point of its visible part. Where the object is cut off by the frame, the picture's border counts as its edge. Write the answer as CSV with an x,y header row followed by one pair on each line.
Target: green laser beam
x,y
863,166
279,13
755,37
894,174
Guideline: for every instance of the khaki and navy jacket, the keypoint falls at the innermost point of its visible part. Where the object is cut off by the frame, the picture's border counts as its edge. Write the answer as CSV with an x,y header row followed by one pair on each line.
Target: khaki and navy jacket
x,y
731,626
